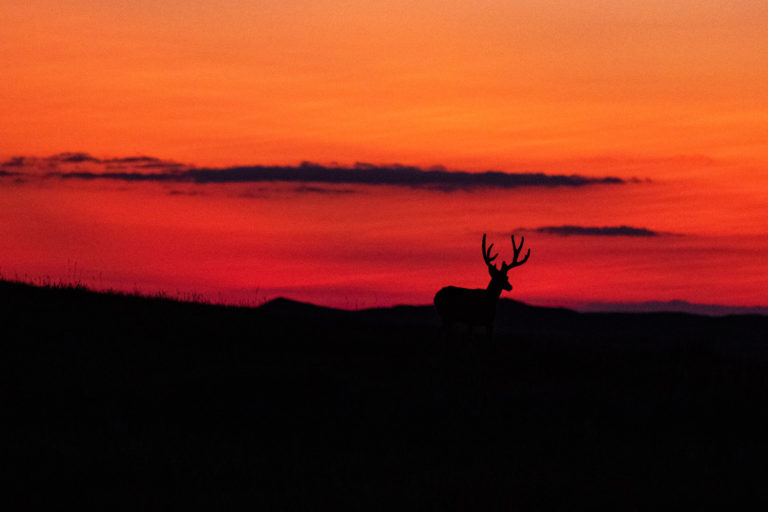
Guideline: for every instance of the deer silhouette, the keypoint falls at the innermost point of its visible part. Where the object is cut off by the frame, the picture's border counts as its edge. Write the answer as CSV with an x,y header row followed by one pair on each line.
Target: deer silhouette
x,y
477,307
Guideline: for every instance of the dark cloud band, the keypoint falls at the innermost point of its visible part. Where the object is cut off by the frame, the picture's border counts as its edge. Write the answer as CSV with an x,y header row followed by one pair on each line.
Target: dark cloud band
x,y
82,166
597,231
358,175
67,160
391,175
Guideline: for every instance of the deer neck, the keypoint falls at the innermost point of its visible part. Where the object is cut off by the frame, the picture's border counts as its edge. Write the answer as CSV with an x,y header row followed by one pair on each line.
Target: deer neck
x,y
494,290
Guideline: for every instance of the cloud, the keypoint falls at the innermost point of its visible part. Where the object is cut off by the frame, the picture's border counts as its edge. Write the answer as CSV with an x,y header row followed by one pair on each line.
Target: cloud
x,y
132,160
120,176
74,158
307,177
306,189
177,192
15,161
569,230
143,162
86,166
359,174
396,175
135,161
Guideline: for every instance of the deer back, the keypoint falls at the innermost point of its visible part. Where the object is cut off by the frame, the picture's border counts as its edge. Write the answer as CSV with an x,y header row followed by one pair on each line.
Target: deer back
x,y
472,306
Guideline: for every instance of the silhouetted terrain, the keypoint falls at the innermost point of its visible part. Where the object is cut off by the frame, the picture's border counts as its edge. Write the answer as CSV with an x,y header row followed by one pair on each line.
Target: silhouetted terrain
x,y
135,403
677,306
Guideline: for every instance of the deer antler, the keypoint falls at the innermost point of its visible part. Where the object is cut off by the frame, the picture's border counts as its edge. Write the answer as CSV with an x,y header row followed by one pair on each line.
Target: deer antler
x,y
487,254
516,256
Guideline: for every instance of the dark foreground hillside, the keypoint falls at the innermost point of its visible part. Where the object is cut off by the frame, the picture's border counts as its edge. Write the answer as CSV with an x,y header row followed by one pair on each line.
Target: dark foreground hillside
x,y
129,403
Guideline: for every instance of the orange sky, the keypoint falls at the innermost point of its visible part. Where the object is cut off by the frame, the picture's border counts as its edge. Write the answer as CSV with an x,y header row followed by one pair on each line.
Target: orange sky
x,y
476,85
668,90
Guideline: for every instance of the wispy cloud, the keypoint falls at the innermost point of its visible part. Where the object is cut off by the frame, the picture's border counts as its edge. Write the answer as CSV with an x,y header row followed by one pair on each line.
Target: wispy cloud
x,y
305,189
119,176
569,230
74,158
63,163
15,161
309,176
177,192
395,175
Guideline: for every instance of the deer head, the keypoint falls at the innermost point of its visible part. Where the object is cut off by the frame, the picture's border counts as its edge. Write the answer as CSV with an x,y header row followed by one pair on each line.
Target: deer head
x,y
499,279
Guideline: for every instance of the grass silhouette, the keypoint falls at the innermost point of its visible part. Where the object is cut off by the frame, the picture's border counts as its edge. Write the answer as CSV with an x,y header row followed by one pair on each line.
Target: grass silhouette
x,y
131,402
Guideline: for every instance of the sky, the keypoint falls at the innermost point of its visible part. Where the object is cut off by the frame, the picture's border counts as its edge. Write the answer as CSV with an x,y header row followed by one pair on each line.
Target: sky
x,y
665,98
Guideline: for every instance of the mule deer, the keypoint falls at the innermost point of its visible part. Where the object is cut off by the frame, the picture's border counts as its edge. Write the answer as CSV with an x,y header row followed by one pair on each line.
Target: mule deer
x,y
477,307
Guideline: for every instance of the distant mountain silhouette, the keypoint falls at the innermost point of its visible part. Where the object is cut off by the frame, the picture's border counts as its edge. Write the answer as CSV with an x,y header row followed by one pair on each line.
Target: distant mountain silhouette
x,y
676,306
287,307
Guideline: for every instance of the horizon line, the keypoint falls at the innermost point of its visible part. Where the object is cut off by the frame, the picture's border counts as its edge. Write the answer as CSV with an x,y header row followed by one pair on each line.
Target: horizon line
x,y
681,306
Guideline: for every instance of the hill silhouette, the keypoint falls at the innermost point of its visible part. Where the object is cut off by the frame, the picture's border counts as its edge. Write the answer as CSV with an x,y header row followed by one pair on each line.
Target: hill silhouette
x,y
128,402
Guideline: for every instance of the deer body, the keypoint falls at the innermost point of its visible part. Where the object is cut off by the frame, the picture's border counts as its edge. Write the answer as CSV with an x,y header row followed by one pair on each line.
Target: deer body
x,y
473,307
477,307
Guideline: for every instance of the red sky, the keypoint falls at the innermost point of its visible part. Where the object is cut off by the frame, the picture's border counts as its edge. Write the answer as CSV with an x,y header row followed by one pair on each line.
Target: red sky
x,y
672,91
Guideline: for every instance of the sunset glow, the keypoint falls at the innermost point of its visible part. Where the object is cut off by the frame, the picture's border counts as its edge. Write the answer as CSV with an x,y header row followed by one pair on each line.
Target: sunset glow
x,y
667,97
